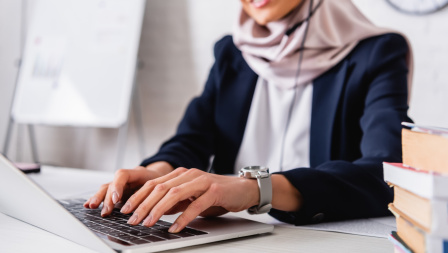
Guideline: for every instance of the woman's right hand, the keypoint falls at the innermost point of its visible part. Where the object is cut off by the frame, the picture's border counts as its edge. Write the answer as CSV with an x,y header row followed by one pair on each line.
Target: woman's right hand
x,y
125,183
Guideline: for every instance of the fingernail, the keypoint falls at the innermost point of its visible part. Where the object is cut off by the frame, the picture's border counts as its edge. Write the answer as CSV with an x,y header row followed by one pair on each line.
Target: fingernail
x,y
105,210
125,208
133,218
92,203
115,197
173,228
147,221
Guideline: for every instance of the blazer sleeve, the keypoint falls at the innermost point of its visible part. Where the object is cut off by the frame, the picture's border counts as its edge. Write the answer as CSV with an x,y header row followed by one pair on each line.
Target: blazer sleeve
x,y
337,190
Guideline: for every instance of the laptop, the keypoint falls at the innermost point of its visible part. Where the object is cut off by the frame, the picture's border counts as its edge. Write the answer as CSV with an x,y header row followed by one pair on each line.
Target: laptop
x,y
22,199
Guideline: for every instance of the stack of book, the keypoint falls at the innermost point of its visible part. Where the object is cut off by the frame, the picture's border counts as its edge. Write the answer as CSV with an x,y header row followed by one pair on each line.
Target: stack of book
x,y
421,191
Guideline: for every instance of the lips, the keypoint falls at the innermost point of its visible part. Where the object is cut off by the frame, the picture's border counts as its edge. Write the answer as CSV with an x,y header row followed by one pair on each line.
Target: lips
x,y
259,3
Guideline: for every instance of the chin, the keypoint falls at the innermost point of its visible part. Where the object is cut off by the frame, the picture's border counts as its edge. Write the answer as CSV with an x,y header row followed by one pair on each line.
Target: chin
x,y
262,21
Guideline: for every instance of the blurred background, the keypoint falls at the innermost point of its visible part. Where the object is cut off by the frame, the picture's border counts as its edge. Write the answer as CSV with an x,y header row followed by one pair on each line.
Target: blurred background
x,y
176,52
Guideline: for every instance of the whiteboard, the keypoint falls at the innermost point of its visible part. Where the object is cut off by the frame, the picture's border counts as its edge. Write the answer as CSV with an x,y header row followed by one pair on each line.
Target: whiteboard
x,y
79,63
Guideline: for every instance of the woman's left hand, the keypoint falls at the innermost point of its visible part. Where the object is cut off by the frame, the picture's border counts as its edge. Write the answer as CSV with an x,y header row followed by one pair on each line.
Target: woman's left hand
x,y
192,191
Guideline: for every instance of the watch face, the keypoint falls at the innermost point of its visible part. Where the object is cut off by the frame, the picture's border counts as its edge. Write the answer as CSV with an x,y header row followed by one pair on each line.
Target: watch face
x,y
255,168
418,7
252,171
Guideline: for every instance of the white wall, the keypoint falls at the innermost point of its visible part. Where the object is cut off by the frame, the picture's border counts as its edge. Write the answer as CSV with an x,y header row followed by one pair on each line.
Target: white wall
x,y
429,38
176,48
9,54
177,52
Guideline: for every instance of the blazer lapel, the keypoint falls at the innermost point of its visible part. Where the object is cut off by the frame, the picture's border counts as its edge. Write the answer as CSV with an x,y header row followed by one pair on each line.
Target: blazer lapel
x,y
327,91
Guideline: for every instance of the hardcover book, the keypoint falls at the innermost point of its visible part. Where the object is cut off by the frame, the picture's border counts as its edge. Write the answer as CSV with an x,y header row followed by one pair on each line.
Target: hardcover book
x,y
425,148
414,239
425,184
431,215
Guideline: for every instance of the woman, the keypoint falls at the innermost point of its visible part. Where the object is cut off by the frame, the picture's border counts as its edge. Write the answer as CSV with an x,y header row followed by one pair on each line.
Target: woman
x,y
309,88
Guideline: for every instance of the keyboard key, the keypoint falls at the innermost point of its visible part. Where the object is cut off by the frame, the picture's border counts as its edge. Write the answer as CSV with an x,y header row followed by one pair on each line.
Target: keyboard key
x,y
92,218
167,236
115,227
138,233
113,239
159,227
126,229
184,234
152,238
80,215
125,224
121,215
112,218
162,229
106,230
194,231
93,211
105,222
83,221
143,229
126,237
117,233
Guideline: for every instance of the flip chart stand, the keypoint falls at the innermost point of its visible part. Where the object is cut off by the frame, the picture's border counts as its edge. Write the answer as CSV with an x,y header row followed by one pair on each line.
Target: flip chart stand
x,y
78,68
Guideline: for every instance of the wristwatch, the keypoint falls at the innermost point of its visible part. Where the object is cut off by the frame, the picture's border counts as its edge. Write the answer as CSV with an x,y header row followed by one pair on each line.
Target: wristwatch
x,y
264,183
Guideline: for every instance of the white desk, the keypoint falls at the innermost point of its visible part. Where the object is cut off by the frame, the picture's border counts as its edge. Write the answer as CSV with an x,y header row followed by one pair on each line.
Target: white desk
x,y
16,236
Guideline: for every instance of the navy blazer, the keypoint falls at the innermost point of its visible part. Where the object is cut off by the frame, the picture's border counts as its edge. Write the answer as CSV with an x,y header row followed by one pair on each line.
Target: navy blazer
x,y
357,109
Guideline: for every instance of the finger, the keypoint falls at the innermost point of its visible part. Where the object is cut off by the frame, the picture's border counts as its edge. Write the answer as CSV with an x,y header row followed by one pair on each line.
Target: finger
x,y
120,179
174,196
139,197
108,205
94,201
193,210
159,191
124,177
115,190
179,207
156,193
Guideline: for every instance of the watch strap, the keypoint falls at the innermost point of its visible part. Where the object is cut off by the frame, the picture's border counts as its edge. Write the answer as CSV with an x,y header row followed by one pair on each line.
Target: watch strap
x,y
265,186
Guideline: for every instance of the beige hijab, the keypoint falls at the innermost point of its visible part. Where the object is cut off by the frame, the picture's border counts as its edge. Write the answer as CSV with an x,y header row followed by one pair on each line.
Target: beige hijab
x,y
334,30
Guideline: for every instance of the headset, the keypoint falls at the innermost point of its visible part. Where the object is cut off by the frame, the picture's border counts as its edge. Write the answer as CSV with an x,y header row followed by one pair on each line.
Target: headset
x,y
311,12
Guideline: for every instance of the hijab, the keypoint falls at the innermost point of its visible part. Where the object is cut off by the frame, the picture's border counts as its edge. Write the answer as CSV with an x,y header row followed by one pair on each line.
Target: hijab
x,y
335,28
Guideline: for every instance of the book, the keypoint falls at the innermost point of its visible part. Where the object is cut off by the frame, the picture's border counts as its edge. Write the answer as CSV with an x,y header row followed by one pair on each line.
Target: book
x,y
399,245
416,240
425,148
425,184
426,129
420,190
431,215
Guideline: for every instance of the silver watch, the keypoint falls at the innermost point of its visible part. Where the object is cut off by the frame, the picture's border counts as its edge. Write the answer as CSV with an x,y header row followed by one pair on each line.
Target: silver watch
x,y
264,183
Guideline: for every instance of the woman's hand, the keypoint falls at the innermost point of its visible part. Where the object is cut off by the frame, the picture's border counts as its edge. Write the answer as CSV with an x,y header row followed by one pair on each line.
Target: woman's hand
x,y
125,183
192,191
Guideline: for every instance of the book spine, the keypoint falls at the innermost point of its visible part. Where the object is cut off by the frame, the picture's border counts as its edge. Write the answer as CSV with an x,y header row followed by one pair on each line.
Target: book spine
x,y
423,184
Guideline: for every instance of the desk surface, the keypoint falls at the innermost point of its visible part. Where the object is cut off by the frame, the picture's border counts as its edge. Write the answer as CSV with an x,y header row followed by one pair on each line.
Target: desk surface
x,y
16,236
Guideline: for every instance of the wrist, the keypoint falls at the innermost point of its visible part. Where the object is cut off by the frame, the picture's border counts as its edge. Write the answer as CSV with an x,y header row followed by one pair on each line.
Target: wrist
x,y
160,168
260,175
252,192
285,196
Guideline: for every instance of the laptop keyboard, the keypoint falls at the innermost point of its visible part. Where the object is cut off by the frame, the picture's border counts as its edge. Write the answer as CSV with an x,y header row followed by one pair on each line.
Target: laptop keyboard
x,y
116,229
